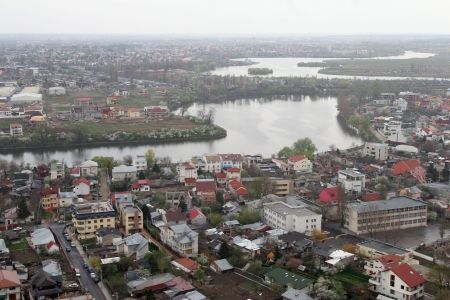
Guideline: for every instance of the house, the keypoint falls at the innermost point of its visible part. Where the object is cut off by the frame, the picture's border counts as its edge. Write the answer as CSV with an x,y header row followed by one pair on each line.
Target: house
x,y
300,163
142,185
397,280
374,249
384,215
233,174
294,294
122,172
196,217
10,285
185,264
42,286
238,189
212,163
186,170
400,104
75,172
154,283
377,151
49,198
221,178
140,162
133,245
231,160
15,129
205,190
409,167
89,168
88,217
56,170
5,112
193,295
3,248
156,112
42,239
106,236
181,238
53,269
131,219
330,195
119,197
66,198
284,278
221,266
133,113
339,258
9,216
81,186
351,180
281,187
291,218
296,241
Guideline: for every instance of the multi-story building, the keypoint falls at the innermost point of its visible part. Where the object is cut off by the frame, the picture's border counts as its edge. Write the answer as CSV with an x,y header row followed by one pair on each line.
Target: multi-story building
x,y
393,131
395,213
49,198
351,180
394,279
212,163
131,219
186,170
281,187
291,218
181,238
15,129
9,285
231,160
140,162
205,190
89,168
56,170
376,150
88,217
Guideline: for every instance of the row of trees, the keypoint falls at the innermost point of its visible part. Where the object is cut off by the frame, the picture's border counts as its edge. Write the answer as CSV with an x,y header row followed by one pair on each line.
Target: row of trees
x,y
301,147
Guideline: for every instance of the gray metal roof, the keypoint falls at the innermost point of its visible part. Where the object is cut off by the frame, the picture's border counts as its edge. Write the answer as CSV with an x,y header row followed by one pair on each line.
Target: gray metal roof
x,y
393,203
285,209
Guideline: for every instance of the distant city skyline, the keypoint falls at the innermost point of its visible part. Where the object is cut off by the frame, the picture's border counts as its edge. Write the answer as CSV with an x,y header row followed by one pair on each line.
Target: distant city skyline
x,y
231,17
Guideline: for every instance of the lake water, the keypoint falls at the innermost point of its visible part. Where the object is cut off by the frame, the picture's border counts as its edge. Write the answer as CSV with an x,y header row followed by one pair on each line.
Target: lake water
x,y
287,67
254,126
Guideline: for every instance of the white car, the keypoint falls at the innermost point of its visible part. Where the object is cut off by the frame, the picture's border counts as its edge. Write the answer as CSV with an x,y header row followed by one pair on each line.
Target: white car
x,y
73,285
17,229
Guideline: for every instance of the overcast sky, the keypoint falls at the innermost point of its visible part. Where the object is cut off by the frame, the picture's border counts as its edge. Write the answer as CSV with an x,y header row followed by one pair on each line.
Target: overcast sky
x,y
244,17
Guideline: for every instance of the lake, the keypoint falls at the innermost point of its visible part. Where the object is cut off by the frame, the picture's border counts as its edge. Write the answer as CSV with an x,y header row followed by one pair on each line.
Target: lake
x,y
287,67
254,126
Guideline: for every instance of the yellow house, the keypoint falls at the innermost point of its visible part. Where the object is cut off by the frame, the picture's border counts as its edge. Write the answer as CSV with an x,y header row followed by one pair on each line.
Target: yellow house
x,y
49,198
131,219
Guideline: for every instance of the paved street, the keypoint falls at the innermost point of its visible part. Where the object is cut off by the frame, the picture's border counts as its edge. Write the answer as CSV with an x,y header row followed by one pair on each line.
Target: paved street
x,y
77,261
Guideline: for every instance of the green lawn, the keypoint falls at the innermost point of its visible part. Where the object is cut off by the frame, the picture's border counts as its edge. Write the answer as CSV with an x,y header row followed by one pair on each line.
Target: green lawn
x,y
88,242
18,245
352,277
46,215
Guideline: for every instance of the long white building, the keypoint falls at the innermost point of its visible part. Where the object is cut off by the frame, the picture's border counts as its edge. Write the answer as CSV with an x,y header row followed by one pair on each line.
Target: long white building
x,y
291,218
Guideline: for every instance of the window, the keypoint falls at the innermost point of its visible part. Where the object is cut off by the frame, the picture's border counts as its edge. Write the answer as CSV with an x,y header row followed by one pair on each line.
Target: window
x,y
307,220
402,287
392,292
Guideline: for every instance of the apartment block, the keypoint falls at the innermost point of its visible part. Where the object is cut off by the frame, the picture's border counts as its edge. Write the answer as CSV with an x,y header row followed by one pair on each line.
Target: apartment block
x,y
88,217
395,213
351,180
377,151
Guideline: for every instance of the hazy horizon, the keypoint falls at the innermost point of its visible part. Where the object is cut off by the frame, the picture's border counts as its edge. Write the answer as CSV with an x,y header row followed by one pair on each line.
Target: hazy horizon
x,y
199,18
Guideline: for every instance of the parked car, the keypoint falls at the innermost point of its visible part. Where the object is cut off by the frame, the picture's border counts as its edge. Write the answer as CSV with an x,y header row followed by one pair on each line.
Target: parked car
x,y
68,249
85,266
77,272
73,285
17,228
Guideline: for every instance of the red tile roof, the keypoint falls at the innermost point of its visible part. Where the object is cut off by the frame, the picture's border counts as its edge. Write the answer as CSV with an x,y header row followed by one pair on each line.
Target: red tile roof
x,y
51,244
144,181
389,260
206,186
81,180
408,275
329,195
220,175
9,279
190,181
187,263
238,187
375,196
233,170
135,186
49,191
405,166
195,212
175,216
296,158
75,171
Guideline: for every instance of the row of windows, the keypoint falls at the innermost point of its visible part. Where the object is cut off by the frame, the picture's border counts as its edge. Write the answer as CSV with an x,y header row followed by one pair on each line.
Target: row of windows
x,y
387,218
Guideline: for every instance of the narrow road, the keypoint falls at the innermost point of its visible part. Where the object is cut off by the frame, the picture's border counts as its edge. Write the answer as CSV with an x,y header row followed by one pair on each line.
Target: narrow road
x,y
77,261
104,185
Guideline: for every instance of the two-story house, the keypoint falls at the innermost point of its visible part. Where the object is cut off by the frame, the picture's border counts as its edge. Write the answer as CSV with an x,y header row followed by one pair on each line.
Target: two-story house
x,y
181,238
9,285
49,198
300,163
186,170
351,180
89,168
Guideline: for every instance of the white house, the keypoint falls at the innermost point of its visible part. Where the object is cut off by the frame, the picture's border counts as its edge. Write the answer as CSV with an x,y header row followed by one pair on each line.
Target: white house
x,y
140,162
181,238
186,170
23,98
394,279
56,91
291,218
123,172
424,132
231,160
401,104
89,168
66,198
81,186
352,181
212,163
300,163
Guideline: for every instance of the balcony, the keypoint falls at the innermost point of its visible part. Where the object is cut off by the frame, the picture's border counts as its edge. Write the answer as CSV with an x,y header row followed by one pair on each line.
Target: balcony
x,y
373,281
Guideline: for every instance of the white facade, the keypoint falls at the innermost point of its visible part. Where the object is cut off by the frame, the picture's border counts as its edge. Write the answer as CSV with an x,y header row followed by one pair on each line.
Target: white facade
x,y
15,129
401,104
123,172
186,170
300,165
352,181
393,131
291,218
89,168
140,162
22,98
376,150
181,238
56,91
82,189
212,164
